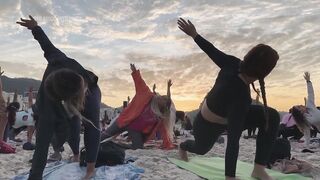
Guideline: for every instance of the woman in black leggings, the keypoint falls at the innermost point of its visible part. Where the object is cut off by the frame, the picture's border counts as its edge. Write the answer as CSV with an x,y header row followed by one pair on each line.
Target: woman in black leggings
x,y
66,89
228,102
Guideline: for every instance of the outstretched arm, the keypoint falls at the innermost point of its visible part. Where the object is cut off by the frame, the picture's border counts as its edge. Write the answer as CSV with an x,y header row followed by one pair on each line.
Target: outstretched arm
x,y
169,84
140,85
51,53
216,55
1,72
310,101
154,88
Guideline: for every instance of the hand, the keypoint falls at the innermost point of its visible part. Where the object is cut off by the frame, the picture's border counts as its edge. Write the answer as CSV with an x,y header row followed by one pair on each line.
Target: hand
x,y
187,27
30,24
1,72
154,88
307,76
169,83
133,68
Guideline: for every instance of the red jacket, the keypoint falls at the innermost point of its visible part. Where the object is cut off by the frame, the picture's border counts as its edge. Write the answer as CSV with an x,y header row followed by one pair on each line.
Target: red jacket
x,y
142,98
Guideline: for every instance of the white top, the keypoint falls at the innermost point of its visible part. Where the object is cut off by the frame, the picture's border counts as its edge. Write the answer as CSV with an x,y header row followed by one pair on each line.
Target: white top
x,y
24,118
313,114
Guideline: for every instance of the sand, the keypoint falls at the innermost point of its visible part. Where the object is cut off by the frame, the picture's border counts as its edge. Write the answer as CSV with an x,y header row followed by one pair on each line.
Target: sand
x,y
154,161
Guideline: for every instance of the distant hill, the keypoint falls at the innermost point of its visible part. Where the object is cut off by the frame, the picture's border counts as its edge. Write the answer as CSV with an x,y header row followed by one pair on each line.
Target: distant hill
x,y
21,85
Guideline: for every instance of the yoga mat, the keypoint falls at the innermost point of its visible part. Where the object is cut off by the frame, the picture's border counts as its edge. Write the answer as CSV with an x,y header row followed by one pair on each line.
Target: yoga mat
x,y
213,169
72,171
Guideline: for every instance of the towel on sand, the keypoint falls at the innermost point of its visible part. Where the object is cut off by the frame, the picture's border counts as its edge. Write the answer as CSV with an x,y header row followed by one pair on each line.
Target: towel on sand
x,y
72,171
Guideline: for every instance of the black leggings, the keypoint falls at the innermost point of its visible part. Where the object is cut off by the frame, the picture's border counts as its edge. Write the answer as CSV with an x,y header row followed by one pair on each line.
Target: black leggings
x,y
73,136
137,138
206,133
53,123
286,132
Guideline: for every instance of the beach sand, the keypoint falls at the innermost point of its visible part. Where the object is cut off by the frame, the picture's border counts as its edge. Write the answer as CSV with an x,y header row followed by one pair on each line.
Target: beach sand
x,y
155,161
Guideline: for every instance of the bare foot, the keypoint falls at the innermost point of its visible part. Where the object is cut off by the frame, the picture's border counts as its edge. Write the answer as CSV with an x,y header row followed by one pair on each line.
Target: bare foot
x,y
75,158
183,155
259,172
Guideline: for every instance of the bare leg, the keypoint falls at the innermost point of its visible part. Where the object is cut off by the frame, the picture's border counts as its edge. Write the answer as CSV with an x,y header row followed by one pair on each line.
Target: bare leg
x,y
259,172
183,155
30,131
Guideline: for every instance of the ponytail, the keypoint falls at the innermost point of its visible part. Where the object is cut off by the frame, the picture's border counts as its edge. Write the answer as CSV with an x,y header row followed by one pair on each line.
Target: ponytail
x,y
263,93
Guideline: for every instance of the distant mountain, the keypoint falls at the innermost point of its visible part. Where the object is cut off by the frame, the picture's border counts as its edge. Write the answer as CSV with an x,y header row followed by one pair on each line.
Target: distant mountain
x,y
23,84
20,85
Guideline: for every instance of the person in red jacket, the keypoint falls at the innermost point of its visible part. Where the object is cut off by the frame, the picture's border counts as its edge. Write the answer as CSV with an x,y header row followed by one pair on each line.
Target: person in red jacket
x,y
147,114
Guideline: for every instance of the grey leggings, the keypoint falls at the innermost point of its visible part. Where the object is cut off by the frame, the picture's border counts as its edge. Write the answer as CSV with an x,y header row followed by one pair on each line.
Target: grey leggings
x,y
137,138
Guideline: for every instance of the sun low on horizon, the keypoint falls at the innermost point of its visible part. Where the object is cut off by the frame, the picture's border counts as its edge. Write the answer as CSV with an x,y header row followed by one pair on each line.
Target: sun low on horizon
x,y
106,36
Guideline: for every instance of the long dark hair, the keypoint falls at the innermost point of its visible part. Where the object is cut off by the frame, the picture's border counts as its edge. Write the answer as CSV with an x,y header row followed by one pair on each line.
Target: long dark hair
x,y
66,85
258,63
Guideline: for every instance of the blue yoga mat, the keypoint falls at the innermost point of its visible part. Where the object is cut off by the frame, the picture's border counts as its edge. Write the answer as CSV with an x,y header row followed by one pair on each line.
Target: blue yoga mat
x,y
72,171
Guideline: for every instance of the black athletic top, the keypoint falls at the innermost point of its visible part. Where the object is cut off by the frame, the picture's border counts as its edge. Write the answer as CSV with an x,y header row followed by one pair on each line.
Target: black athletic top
x,y
51,113
229,98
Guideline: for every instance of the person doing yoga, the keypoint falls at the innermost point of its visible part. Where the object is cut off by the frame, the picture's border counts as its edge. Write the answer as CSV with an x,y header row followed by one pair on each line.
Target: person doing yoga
x,y
66,89
226,105
147,114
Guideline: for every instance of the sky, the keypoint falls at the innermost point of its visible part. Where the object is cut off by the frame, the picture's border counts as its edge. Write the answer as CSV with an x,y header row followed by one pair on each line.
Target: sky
x,y
106,36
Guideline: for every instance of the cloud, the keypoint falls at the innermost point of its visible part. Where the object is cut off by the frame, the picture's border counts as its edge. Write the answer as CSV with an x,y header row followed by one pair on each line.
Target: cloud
x,y
105,36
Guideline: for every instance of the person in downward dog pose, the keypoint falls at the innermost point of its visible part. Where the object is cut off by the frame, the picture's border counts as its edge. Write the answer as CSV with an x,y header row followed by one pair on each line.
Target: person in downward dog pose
x,y
66,89
226,105
147,114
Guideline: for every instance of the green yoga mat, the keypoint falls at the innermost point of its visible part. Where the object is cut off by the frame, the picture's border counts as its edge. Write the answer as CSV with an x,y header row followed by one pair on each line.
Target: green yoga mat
x,y
213,168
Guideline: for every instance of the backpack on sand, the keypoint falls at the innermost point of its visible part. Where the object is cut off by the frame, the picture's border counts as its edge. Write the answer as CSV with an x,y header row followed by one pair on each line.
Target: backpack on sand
x,y
109,154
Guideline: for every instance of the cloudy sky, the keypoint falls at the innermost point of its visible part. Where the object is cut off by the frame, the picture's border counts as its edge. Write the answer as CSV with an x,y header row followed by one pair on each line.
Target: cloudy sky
x,y
105,36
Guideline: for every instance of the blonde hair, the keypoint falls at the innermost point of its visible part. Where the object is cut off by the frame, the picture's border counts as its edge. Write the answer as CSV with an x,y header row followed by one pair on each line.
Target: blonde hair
x,y
167,117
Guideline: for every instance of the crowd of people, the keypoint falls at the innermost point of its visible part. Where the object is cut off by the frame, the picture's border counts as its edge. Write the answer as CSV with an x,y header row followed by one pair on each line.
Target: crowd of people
x,y
69,97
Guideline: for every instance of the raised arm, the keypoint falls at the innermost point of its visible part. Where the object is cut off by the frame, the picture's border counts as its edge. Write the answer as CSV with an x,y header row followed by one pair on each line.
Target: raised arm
x,y
169,84
154,88
1,91
310,100
51,53
140,86
216,55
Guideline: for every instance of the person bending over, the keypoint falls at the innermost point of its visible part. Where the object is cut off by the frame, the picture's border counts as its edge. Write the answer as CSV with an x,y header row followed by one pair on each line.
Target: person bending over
x,y
66,89
226,105
289,128
307,117
147,114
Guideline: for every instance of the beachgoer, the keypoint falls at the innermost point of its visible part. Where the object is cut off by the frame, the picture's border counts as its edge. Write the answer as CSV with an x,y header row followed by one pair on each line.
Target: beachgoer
x,y
226,105
308,115
289,128
66,89
146,114
4,147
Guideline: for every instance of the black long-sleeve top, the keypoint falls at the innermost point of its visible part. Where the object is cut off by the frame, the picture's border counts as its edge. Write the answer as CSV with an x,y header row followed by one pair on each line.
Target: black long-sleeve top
x,y
229,98
52,113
